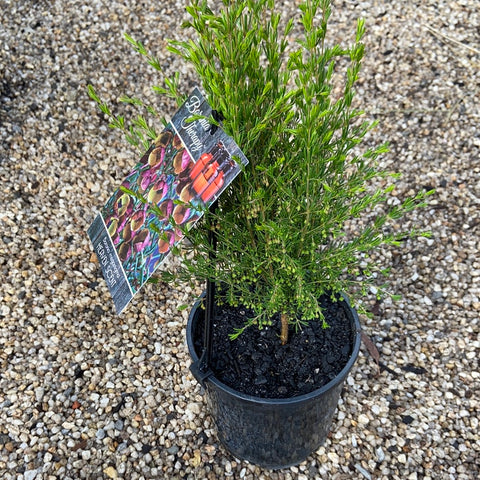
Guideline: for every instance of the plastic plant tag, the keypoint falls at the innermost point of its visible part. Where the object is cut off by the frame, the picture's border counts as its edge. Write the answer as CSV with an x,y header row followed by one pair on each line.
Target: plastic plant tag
x,y
186,169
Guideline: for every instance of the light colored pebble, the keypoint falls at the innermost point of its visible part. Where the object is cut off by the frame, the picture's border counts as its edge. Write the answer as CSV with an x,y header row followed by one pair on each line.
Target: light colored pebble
x,y
364,472
363,419
380,454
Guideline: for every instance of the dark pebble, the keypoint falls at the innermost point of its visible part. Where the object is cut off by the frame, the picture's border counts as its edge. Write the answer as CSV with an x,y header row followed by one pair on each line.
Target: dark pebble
x,y
146,448
260,380
407,419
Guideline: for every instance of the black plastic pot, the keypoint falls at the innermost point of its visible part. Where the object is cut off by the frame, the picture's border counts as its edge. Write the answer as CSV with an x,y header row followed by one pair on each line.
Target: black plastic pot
x,y
272,433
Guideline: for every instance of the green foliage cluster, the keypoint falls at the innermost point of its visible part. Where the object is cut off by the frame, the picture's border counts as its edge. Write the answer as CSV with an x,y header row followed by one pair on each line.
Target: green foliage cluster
x,y
302,218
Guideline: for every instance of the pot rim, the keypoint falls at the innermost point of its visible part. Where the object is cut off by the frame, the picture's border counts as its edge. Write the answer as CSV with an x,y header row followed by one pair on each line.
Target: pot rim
x,y
290,400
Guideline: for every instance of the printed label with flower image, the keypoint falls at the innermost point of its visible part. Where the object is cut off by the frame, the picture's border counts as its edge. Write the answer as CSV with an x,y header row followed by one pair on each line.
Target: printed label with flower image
x,y
182,173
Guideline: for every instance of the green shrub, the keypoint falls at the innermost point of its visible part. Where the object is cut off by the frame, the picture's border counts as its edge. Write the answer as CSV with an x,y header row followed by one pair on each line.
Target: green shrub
x,y
301,219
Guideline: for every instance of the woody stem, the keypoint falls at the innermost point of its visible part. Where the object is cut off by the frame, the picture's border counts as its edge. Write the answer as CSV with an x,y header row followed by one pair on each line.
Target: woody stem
x,y
284,330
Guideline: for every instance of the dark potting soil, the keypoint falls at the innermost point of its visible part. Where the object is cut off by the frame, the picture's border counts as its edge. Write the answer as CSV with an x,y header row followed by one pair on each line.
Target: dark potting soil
x,y
257,364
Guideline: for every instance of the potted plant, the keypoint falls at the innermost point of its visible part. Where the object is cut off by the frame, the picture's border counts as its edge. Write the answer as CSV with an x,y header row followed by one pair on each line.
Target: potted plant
x,y
292,234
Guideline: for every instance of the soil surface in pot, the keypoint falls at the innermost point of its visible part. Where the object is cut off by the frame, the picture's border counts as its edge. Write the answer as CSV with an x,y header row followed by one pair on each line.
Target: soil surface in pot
x,y
257,364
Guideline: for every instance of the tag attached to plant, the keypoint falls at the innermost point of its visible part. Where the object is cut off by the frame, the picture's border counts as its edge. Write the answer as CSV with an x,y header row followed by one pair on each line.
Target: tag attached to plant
x,y
181,174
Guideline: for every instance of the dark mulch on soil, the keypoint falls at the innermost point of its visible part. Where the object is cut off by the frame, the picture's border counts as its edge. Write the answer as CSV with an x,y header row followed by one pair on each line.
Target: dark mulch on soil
x,y
257,364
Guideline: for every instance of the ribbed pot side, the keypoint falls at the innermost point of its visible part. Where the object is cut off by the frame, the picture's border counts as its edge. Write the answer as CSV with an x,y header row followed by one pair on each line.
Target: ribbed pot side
x,y
273,433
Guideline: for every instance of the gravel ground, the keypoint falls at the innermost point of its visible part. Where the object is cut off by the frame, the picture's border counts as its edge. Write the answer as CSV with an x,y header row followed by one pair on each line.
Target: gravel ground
x,y
88,394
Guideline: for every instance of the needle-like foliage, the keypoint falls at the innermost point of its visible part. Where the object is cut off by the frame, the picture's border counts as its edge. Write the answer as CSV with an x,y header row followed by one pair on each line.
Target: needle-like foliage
x,y
301,219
